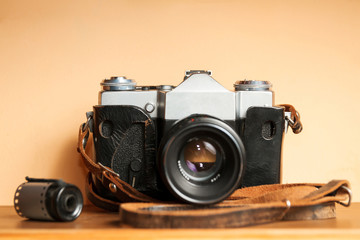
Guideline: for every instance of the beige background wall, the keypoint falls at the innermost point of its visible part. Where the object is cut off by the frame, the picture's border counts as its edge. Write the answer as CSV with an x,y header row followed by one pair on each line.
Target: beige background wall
x,y
53,54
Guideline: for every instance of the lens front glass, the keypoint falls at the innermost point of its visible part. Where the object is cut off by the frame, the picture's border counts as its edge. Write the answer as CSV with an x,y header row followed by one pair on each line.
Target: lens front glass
x,y
201,158
199,155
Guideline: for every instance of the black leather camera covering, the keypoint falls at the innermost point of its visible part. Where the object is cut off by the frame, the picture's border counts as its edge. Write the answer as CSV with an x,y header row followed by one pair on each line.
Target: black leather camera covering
x,y
125,140
262,133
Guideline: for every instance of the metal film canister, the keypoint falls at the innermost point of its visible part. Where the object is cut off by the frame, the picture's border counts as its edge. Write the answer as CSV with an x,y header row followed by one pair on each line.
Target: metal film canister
x,y
48,199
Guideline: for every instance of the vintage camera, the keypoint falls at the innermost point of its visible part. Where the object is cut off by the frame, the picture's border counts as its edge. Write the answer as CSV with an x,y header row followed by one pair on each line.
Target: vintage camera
x,y
197,141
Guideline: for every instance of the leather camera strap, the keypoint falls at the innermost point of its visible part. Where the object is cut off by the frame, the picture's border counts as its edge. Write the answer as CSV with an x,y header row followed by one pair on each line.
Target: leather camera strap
x,y
246,206
294,121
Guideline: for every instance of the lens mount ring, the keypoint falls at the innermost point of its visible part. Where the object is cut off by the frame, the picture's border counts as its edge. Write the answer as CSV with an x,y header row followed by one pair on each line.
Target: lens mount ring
x,y
206,190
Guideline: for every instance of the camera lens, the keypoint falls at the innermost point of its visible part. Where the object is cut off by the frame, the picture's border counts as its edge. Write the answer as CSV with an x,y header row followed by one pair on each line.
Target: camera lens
x,y
201,160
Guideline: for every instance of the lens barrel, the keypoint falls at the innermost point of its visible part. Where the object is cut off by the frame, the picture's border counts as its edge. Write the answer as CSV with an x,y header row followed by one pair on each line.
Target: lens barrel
x,y
48,199
201,160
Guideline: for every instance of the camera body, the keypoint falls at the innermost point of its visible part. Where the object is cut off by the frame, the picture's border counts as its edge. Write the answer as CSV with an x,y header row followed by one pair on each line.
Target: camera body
x,y
197,141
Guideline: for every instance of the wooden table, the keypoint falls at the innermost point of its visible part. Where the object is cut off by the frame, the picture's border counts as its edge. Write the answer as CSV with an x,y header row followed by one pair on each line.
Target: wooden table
x,y
98,224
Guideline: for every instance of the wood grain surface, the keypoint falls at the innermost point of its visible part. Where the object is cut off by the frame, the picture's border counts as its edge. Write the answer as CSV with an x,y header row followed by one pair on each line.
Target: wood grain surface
x,y
98,224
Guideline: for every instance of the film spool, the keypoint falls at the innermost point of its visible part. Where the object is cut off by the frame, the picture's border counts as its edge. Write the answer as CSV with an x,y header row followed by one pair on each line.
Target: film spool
x,y
48,200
